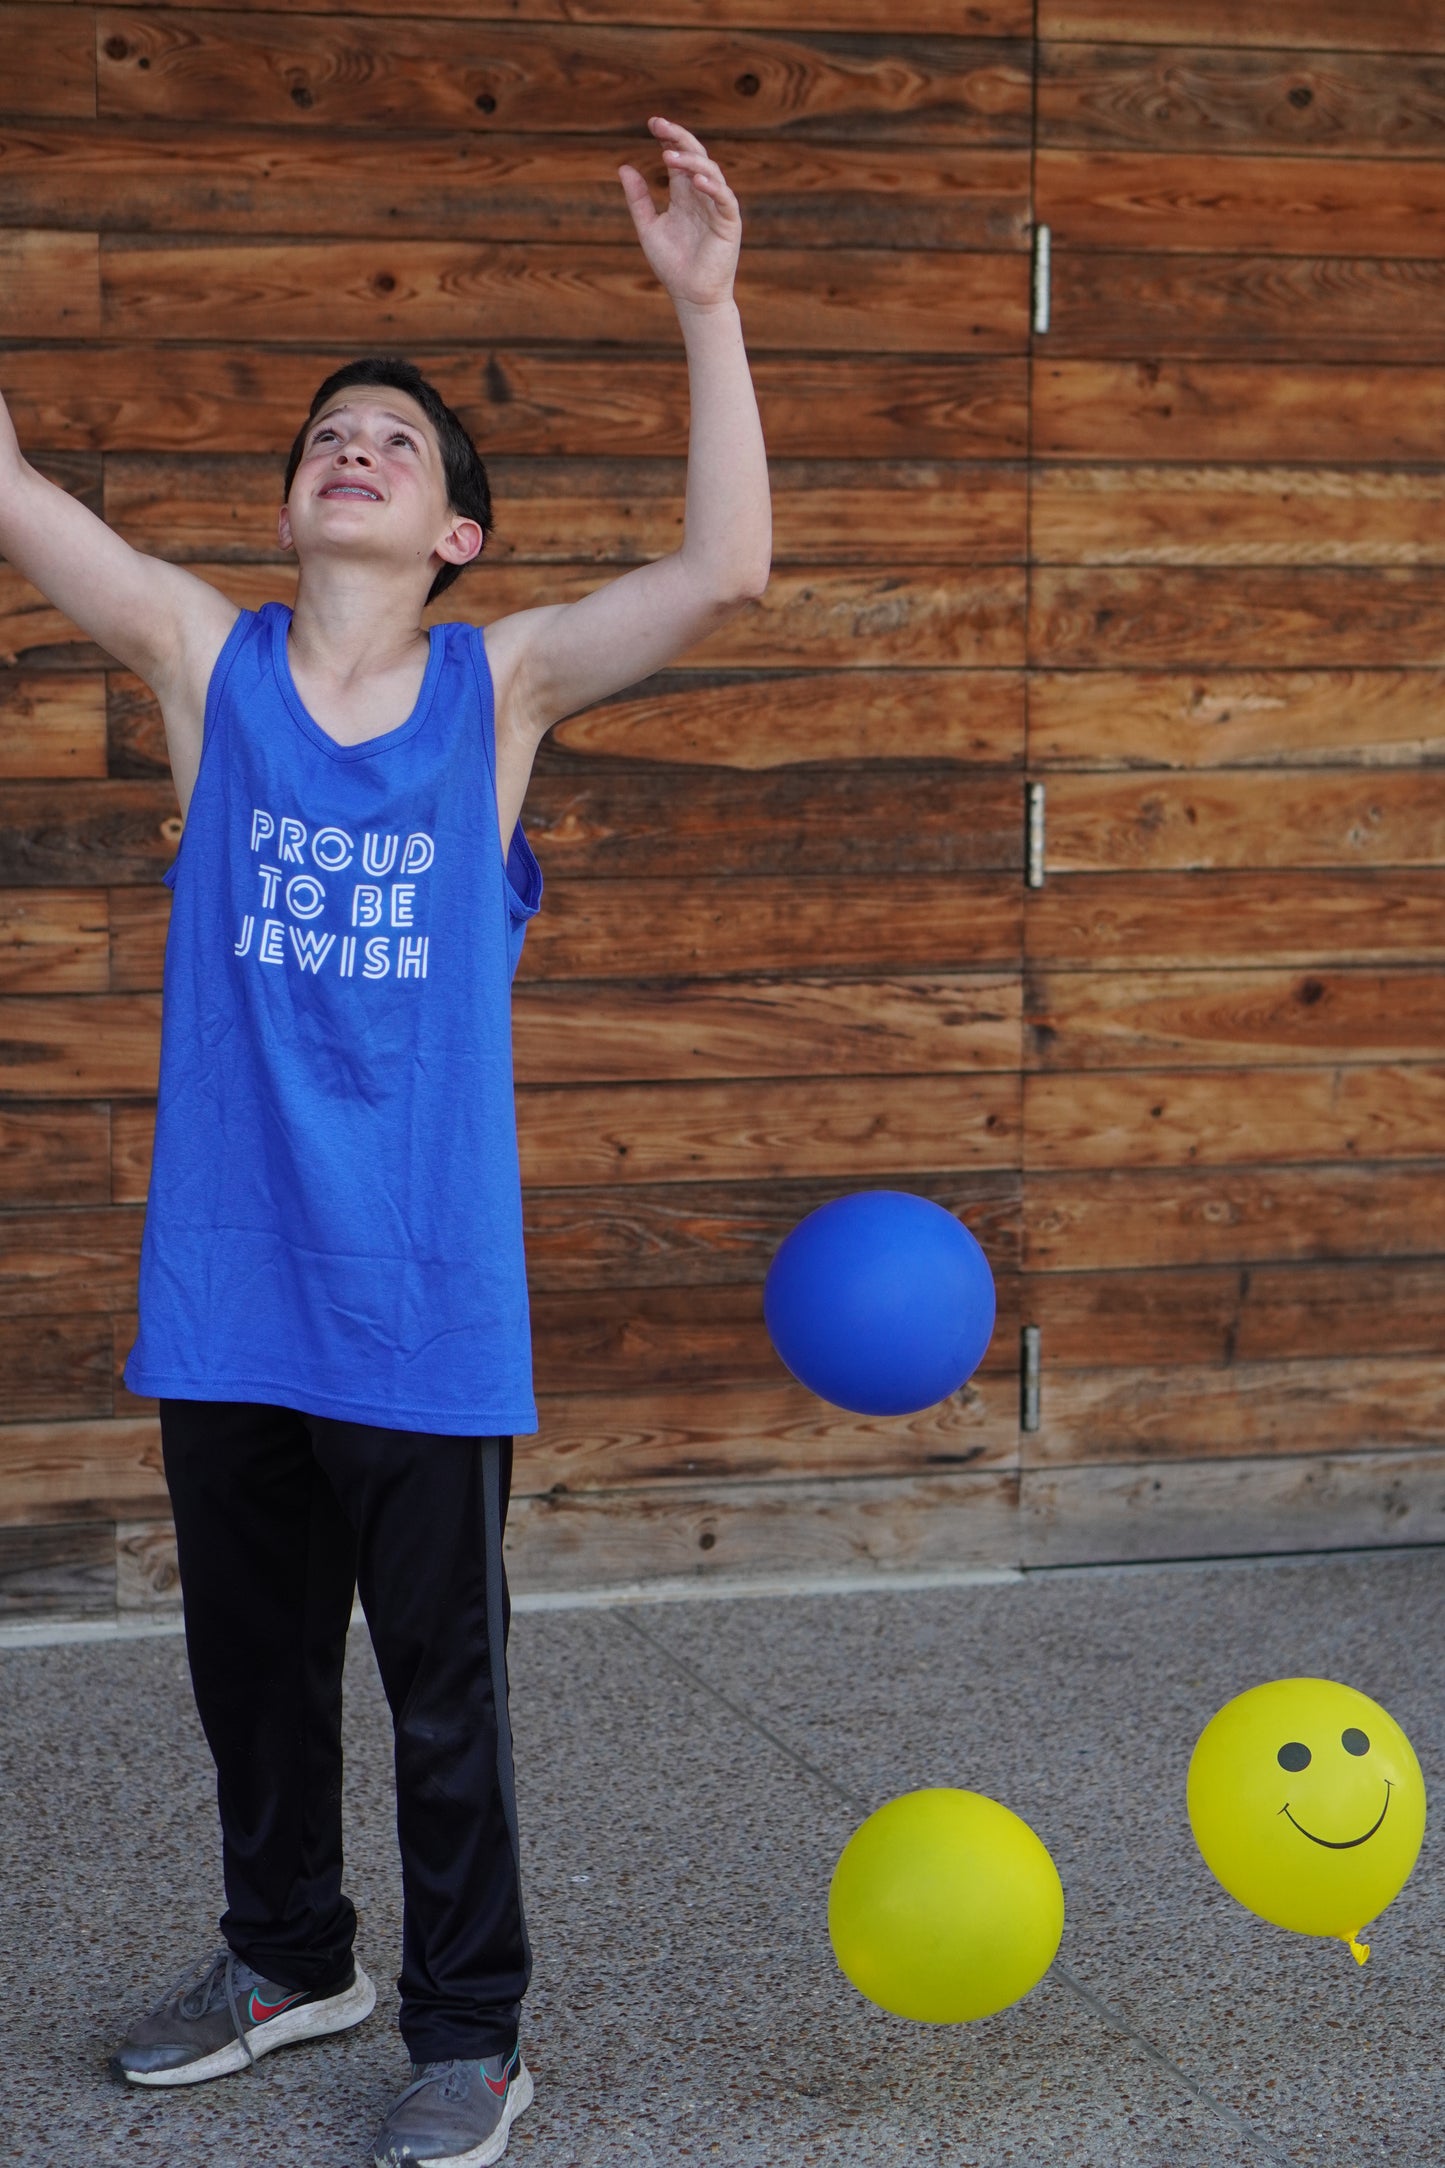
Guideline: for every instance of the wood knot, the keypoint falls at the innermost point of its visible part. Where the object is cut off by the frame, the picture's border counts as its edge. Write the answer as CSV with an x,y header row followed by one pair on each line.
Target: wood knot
x,y
485,102
747,86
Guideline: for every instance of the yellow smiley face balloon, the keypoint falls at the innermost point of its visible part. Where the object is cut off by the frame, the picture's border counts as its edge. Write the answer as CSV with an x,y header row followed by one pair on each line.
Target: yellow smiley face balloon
x,y
1307,1802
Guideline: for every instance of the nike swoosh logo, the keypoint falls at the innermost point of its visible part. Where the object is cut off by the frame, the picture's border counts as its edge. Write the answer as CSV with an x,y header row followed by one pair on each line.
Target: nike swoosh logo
x,y
260,2011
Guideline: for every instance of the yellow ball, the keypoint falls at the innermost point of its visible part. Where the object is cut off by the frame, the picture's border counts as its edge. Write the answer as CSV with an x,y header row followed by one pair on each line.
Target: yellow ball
x,y
1307,1802
944,1907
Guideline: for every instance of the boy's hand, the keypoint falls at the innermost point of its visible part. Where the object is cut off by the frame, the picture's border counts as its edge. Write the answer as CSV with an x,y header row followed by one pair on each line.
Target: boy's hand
x,y
692,245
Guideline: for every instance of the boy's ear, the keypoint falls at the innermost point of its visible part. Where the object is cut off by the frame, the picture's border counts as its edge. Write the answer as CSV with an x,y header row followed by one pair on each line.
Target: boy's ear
x,y
283,528
461,543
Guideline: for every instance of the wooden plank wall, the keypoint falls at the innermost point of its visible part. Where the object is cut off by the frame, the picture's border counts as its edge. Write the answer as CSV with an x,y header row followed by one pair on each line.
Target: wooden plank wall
x,y
781,954
1183,564
1235,1026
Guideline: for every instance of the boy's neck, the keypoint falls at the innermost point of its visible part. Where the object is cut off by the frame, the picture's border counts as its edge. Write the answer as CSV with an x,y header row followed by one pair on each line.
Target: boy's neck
x,y
350,627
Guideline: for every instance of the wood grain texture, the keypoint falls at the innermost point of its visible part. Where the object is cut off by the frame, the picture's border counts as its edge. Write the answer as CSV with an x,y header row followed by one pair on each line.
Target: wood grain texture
x,y
1236,718
51,724
607,511
960,18
55,1366
715,1234
49,60
1246,817
1299,97
1209,618
61,1472
759,1433
848,617
1406,26
687,1532
163,176
372,292
49,285
324,72
1283,308
1216,1509
1227,1019
1154,408
618,1135
1133,1219
670,1029
1234,1117
1133,921
80,1046
1236,515
54,941
520,400
1256,1314
1318,206
70,1571
147,1572
86,833
54,1155
1251,1409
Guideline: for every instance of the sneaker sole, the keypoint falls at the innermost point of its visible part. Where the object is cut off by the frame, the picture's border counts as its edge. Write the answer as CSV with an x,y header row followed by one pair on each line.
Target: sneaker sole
x,y
491,2149
311,2021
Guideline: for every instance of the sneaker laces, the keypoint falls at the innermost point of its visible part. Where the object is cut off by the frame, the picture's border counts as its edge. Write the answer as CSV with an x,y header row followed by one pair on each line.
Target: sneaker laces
x,y
196,1993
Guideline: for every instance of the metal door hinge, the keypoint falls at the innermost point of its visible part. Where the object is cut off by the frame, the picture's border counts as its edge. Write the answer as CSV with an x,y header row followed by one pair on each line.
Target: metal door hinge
x,y
1034,835
1042,249
1030,1378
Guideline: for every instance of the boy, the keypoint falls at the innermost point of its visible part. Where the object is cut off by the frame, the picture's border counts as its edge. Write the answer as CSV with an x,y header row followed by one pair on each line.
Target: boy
x,y
333,1308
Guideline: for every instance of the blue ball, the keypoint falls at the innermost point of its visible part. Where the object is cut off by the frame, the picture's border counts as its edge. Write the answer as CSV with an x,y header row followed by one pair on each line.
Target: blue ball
x,y
881,1303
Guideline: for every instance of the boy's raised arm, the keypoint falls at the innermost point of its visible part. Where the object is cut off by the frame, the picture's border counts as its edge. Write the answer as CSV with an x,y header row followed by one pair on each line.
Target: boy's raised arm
x,y
149,614
554,661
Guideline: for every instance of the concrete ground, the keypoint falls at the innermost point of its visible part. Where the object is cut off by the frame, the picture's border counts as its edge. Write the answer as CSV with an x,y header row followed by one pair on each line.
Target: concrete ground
x,y
689,1772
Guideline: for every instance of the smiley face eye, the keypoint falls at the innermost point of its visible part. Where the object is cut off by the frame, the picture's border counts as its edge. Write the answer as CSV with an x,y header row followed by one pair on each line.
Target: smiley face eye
x,y
1354,1742
1295,1757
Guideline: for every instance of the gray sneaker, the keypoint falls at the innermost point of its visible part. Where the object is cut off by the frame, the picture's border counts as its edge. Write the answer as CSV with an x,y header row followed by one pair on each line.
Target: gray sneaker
x,y
455,2115
221,2015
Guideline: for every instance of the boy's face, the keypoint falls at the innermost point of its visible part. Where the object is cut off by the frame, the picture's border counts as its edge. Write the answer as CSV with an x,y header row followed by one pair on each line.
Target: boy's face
x,y
371,487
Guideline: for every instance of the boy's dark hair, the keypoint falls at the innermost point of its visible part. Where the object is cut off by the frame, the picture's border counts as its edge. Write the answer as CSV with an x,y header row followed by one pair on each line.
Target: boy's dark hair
x,y
468,490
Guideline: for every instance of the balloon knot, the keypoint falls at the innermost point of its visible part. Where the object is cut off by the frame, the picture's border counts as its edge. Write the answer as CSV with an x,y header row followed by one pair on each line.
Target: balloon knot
x,y
1358,1950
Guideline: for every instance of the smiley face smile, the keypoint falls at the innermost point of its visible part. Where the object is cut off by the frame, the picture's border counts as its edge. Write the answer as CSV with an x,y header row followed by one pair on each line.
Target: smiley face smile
x,y
1341,1844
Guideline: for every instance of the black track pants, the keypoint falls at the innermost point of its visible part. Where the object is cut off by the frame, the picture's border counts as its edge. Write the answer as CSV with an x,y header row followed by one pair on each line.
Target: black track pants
x,y
279,1516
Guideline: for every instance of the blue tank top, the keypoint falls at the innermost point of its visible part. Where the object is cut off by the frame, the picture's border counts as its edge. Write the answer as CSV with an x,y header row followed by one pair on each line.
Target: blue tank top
x,y
334,1220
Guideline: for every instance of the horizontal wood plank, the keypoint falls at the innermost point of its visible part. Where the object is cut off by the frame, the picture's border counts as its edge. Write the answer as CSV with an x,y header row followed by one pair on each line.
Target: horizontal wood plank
x,y
1128,922
520,400
1196,1413
52,723
505,77
715,1234
66,1570
607,511
164,176
1209,618
1246,817
1235,515
1226,1019
54,1155
56,1366
912,302
663,1030
1275,205
49,285
1234,1117
1237,410
1294,96
1406,26
49,62
960,18
1129,1220
1284,308
1235,718
851,617
85,834
755,1433
682,1532
622,1134
1221,1315
54,941
1218,1509
63,1472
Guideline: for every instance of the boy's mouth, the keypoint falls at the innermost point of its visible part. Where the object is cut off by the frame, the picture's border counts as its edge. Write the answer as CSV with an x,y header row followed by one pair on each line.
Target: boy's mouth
x,y
350,489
